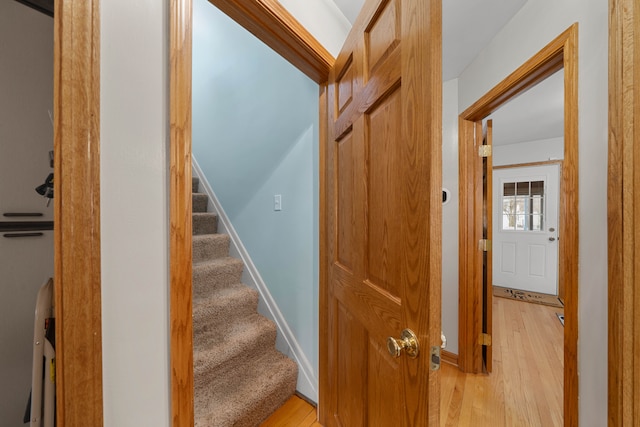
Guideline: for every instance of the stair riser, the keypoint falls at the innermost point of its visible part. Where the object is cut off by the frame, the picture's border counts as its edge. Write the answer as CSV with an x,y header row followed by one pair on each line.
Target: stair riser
x,y
237,368
194,185
268,406
240,353
205,223
199,202
206,280
210,248
238,406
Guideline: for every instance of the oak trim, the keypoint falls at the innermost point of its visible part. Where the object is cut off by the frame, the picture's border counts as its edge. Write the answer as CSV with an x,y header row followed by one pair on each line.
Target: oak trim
x,y
270,22
324,392
449,357
624,214
77,285
529,164
469,295
180,195
561,53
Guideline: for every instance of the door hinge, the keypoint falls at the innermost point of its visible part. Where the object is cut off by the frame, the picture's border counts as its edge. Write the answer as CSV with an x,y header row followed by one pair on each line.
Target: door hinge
x,y
435,358
484,245
484,339
484,150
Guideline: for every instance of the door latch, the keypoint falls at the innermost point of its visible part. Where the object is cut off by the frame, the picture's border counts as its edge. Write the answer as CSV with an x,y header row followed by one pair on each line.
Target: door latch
x,y
435,358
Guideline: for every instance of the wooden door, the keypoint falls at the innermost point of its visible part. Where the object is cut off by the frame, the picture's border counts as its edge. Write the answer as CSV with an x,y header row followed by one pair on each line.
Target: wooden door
x,y
383,204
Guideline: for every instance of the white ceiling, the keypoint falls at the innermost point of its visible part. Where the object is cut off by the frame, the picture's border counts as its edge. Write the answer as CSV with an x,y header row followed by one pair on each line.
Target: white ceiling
x,y
468,26
534,115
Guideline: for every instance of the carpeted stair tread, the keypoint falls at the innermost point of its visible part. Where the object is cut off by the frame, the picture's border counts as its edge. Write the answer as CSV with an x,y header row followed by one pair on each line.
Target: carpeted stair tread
x,y
246,338
210,246
232,301
239,376
204,223
199,202
215,274
245,395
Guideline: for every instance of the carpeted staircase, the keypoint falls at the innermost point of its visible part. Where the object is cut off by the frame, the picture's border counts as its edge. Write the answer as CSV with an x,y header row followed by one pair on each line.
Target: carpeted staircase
x,y
239,376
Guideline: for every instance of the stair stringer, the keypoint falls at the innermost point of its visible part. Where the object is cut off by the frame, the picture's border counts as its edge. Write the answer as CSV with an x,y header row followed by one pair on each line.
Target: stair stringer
x,y
286,343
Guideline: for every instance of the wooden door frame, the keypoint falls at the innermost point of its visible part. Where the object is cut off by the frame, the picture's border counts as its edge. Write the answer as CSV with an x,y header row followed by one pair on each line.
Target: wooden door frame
x,y
76,106
624,214
561,53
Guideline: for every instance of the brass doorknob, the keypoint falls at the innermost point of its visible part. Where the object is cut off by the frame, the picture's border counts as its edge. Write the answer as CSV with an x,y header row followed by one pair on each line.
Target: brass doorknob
x,y
408,342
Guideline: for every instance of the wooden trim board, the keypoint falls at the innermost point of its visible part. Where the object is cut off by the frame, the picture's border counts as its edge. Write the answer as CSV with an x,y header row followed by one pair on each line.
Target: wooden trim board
x,y
450,358
561,53
180,194
270,22
324,393
76,106
526,165
624,214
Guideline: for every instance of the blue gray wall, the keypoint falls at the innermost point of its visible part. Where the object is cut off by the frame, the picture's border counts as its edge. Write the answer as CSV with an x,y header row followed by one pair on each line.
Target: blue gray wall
x,y
255,135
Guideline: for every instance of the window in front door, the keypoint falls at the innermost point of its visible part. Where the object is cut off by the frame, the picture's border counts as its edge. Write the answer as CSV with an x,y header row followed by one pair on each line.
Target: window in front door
x,y
523,206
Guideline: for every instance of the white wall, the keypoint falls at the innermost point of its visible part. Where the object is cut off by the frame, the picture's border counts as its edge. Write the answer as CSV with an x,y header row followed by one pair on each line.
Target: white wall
x,y
531,29
134,207
528,152
26,137
450,214
323,20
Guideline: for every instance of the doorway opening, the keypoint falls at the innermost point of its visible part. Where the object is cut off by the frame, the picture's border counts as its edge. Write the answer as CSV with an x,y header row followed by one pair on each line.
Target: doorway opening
x,y
475,319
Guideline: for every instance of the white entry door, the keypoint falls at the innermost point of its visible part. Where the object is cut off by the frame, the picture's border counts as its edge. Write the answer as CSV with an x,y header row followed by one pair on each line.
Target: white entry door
x,y
525,228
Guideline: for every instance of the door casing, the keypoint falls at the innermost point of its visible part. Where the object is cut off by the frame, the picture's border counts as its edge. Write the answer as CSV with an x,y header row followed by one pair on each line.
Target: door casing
x,y
77,284
623,215
562,52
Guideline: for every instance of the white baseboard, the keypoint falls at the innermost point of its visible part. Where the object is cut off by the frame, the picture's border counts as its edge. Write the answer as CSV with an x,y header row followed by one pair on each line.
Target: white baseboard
x,y
285,341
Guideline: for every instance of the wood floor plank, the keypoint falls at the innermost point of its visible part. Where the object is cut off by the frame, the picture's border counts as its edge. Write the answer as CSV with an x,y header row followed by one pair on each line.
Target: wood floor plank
x,y
310,420
295,412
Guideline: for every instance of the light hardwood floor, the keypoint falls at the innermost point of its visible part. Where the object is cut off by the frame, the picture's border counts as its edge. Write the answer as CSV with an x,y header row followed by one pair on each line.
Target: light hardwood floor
x,y
295,413
524,389
526,385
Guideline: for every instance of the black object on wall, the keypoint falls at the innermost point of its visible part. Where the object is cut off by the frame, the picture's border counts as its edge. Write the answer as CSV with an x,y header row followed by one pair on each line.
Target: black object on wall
x,y
44,6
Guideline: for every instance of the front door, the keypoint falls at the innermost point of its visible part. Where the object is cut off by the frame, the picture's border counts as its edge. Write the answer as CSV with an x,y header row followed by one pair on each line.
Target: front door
x,y
525,228
383,205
